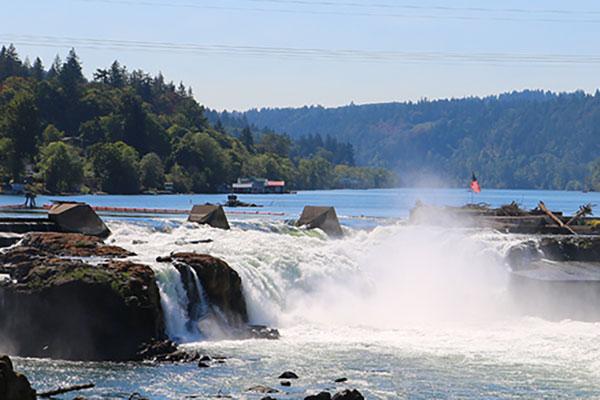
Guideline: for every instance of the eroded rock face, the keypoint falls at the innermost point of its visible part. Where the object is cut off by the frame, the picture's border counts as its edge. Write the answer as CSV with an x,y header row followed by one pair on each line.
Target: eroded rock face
x,y
68,308
13,386
221,284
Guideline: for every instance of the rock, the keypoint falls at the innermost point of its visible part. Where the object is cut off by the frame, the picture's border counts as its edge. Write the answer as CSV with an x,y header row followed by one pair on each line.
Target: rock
x,y
77,218
260,332
209,215
13,386
348,395
68,309
262,389
202,364
341,380
268,398
156,349
288,375
205,358
221,284
324,218
285,383
319,396
72,245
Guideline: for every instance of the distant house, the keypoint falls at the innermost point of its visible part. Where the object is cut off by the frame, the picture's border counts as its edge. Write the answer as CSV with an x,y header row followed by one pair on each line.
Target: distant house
x,y
258,186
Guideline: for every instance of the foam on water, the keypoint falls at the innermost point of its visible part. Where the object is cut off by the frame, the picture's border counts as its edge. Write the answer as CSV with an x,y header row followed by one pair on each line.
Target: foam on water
x,y
402,311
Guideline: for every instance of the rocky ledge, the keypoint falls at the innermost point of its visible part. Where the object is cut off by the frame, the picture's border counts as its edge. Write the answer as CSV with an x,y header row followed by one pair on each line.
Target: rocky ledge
x,y
58,304
13,385
220,291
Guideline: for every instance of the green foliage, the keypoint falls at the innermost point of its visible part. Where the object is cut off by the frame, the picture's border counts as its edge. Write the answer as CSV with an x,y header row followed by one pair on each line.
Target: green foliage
x,y
51,134
529,139
90,135
61,167
152,172
115,165
181,181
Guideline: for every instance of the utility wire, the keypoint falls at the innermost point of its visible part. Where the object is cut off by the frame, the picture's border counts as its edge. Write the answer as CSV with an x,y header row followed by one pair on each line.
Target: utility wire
x,y
409,15
337,55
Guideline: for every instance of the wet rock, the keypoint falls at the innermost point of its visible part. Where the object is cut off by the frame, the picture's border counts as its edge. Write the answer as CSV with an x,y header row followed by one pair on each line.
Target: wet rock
x,y
285,383
262,389
341,380
156,349
205,359
348,395
268,398
13,385
222,285
260,332
202,364
288,375
69,309
319,396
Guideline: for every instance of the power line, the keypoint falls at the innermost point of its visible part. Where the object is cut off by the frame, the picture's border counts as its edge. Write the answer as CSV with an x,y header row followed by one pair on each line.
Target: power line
x,y
336,55
410,15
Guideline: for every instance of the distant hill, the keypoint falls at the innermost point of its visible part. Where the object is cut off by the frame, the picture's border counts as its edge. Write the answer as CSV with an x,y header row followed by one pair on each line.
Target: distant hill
x,y
529,139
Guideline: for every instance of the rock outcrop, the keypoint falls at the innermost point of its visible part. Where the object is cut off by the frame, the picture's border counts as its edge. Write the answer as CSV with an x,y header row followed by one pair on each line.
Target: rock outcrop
x,y
13,385
60,307
221,284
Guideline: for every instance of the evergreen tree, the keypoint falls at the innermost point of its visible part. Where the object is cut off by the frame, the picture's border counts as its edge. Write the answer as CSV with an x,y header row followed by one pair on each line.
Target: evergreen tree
x,y
37,70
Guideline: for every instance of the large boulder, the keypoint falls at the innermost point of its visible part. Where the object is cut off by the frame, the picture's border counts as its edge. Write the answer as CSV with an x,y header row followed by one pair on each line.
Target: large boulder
x,y
221,284
209,215
77,218
13,385
59,307
324,218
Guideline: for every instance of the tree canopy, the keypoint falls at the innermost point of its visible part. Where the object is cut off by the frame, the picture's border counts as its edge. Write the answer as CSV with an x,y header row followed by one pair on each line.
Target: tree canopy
x,y
127,131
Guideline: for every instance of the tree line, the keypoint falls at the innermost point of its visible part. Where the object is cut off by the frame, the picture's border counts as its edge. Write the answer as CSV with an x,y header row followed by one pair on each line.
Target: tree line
x,y
527,139
128,131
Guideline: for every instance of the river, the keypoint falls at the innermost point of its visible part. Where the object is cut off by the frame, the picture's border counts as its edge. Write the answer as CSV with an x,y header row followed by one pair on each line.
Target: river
x,y
401,311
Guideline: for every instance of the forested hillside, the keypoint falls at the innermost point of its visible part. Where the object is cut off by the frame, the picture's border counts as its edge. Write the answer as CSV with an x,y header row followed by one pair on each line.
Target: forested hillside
x,y
127,131
528,139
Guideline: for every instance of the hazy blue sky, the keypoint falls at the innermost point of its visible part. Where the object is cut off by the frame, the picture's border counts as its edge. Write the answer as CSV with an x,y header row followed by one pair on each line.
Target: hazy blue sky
x,y
533,34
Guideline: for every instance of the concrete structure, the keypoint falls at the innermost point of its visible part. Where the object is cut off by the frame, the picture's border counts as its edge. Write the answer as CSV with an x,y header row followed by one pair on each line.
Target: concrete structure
x,y
324,218
210,215
77,218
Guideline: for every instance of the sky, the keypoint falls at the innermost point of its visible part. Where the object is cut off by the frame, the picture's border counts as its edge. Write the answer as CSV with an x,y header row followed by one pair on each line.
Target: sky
x,y
241,54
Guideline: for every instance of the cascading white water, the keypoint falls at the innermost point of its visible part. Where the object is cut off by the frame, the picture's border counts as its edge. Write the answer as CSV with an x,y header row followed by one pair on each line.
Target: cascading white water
x,y
383,278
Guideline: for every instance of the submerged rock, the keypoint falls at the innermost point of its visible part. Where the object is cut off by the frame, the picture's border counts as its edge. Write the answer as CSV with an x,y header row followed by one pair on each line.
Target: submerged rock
x,y
64,308
13,385
262,389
